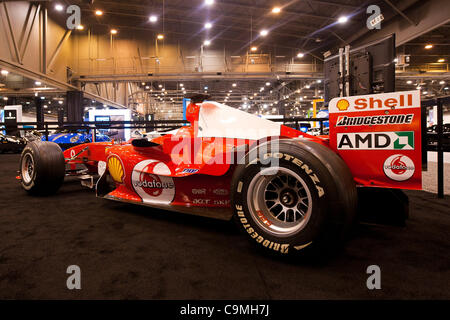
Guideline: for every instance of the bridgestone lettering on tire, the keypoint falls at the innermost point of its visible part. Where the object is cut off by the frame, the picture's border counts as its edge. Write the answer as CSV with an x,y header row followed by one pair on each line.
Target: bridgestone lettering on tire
x,y
305,203
42,168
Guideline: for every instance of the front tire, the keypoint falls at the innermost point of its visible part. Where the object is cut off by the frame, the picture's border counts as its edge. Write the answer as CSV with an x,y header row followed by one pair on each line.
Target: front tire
x,y
42,168
296,199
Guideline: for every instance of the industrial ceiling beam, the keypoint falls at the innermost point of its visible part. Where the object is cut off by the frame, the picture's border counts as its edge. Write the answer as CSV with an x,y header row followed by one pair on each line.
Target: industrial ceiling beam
x,y
429,15
52,82
205,76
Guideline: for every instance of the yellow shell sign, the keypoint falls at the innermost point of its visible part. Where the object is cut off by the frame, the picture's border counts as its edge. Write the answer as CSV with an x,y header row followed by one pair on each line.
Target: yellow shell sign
x,y
115,168
343,105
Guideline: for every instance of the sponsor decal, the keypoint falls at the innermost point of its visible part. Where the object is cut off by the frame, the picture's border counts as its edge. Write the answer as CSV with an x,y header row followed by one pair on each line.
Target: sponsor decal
x,y
201,201
343,105
115,168
198,191
283,248
295,161
382,101
151,187
74,139
187,170
72,153
399,167
403,140
344,121
221,192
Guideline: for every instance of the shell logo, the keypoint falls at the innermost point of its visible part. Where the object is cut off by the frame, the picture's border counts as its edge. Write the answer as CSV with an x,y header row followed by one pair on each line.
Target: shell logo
x,y
115,168
343,105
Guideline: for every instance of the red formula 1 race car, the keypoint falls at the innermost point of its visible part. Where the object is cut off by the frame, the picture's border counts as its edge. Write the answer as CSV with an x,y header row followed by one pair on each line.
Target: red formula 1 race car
x,y
289,192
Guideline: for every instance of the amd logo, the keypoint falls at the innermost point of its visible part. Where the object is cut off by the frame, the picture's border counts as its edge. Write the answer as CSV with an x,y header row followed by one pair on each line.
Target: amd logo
x,y
376,141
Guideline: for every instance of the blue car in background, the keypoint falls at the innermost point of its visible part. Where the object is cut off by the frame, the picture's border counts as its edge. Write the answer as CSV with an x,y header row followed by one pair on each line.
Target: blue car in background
x,y
68,139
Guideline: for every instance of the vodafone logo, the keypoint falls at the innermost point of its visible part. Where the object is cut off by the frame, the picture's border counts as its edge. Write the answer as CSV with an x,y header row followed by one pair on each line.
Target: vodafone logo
x,y
399,167
150,185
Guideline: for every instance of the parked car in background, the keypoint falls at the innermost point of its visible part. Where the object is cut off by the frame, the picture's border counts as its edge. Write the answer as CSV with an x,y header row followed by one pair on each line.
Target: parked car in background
x,y
68,139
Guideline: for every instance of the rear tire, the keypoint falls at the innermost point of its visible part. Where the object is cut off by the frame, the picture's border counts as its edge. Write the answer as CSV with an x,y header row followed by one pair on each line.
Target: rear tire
x,y
305,203
42,168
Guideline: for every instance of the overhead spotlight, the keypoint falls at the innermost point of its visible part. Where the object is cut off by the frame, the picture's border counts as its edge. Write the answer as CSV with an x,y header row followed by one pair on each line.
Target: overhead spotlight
x,y
208,25
276,10
207,43
264,33
254,49
442,82
59,7
160,86
300,55
114,31
441,60
428,46
80,27
160,36
209,2
38,83
268,84
409,82
206,88
4,72
98,12
319,81
343,19
234,85
307,86
153,18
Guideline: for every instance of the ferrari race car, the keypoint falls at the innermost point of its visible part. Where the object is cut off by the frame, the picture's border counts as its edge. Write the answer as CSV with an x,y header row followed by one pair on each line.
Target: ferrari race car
x,y
289,192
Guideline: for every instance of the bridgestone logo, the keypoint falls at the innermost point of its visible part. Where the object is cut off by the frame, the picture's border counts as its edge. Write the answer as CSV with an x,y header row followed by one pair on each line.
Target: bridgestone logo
x,y
345,121
403,140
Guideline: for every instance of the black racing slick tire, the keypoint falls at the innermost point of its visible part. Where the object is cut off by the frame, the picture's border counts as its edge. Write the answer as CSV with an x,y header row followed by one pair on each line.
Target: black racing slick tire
x,y
293,196
42,168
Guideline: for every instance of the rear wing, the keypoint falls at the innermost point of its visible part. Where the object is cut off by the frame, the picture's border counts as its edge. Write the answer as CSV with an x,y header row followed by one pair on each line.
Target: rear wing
x,y
379,137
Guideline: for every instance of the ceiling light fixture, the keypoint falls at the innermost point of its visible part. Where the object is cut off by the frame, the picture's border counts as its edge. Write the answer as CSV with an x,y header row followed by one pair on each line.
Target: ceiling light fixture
x,y
254,49
264,32
441,60
59,7
160,36
206,43
209,2
276,10
4,72
300,55
153,18
80,27
343,19
114,31
428,46
208,25
98,12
